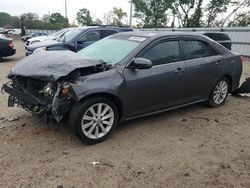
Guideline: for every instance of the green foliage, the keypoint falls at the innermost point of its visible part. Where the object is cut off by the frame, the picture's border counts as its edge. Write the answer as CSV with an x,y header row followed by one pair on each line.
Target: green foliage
x,y
57,18
152,13
195,20
118,15
215,7
241,20
4,19
97,21
83,17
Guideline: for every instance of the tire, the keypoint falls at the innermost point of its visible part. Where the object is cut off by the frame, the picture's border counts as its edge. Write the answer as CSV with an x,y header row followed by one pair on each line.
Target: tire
x,y
219,93
98,116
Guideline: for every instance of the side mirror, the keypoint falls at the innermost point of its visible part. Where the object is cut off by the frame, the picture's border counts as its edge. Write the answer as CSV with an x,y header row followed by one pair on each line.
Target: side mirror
x,y
140,63
81,41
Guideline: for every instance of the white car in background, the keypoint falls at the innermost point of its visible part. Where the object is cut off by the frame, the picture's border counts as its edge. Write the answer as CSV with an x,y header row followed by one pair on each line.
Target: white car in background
x,y
52,36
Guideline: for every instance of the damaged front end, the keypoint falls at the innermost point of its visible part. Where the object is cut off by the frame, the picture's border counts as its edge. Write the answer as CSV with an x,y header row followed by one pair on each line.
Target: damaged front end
x,y
50,100
42,83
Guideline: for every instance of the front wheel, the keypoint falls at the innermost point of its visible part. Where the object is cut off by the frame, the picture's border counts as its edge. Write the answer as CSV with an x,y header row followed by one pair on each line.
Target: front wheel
x,y
94,120
219,93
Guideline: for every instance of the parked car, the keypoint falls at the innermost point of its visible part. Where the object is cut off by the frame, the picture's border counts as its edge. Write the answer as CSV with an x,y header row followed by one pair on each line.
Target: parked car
x,y
6,47
15,32
2,36
221,38
26,37
121,77
52,36
77,39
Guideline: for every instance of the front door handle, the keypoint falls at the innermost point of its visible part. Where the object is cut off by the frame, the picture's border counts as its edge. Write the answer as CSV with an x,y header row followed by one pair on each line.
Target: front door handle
x,y
178,70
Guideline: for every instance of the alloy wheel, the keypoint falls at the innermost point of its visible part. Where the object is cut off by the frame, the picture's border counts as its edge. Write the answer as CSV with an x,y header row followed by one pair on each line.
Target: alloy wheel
x,y
220,92
97,121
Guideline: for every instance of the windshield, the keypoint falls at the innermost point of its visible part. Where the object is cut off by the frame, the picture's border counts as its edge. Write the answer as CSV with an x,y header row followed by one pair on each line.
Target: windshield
x,y
58,32
110,50
68,36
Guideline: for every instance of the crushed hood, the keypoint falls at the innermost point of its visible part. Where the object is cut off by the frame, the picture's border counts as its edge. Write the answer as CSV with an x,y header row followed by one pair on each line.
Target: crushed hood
x,y
51,65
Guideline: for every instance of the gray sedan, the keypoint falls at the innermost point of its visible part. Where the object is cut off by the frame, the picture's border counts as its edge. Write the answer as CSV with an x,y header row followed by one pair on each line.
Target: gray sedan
x,y
124,76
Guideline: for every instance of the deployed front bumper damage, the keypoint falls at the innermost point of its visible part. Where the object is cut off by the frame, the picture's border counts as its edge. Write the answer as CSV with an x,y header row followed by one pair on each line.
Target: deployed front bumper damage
x,y
51,108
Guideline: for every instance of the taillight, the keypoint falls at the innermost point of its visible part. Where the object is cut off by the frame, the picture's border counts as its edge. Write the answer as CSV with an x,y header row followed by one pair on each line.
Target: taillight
x,y
242,59
10,44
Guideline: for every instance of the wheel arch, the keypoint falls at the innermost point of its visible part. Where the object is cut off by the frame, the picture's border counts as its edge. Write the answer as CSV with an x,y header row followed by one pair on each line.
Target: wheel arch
x,y
230,79
109,96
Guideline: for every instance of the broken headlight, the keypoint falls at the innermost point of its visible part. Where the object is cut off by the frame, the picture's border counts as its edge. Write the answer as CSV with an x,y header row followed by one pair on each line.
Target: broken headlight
x,y
47,90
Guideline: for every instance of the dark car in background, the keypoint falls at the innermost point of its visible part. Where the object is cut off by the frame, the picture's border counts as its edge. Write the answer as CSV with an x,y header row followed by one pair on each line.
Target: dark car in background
x,y
221,38
77,39
6,47
124,76
26,37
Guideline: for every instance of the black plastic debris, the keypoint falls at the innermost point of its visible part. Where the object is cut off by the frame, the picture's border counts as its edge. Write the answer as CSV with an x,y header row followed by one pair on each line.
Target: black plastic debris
x,y
244,88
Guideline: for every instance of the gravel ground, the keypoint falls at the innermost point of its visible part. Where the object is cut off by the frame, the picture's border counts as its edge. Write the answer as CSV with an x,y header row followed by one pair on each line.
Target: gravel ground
x,y
194,146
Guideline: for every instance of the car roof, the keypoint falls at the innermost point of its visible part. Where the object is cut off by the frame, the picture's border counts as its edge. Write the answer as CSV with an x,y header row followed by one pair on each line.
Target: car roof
x,y
118,28
157,34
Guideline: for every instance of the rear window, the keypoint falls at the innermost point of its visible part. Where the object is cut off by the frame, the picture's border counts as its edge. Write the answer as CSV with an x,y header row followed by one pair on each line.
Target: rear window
x,y
194,49
106,33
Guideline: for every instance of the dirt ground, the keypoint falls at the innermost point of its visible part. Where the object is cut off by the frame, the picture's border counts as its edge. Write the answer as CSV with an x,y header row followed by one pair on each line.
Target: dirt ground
x,y
194,146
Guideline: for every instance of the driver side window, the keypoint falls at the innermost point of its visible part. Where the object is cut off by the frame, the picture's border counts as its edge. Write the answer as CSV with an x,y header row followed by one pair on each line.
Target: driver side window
x,y
90,36
163,53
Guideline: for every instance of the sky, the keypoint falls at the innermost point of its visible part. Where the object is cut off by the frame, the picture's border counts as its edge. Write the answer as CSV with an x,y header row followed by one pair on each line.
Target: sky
x,y
97,7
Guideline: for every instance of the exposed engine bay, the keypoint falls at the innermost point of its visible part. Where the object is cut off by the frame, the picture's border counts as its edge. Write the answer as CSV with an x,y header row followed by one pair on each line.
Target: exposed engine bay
x,y
51,97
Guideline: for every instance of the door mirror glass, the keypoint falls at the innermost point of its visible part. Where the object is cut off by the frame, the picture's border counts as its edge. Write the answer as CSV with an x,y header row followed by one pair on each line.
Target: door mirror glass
x,y
140,63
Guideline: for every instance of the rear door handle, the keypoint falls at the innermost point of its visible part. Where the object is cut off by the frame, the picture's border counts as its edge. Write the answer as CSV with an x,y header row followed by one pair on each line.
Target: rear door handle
x,y
178,70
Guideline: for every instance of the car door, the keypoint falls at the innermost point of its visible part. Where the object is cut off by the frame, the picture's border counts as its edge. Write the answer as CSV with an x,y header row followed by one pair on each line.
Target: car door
x,y
88,38
202,68
159,87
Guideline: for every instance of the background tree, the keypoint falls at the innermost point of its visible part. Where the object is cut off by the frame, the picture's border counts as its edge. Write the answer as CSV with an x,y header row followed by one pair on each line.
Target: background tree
x,y
46,18
15,22
4,19
57,18
237,4
83,17
97,21
195,20
241,19
152,13
118,15
108,18
189,12
214,8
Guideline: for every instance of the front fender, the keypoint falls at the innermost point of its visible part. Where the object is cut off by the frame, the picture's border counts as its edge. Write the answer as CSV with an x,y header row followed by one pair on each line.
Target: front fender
x,y
104,82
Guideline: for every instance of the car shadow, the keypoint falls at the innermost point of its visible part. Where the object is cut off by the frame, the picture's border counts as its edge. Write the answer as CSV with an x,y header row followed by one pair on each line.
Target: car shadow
x,y
6,60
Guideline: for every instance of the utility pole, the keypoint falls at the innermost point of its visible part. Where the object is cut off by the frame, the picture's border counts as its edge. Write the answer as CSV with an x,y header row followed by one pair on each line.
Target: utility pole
x,y
66,16
131,13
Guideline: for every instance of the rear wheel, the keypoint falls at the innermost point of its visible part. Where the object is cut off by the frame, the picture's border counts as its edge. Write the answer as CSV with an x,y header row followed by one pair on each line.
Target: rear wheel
x,y
219,93
94,120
